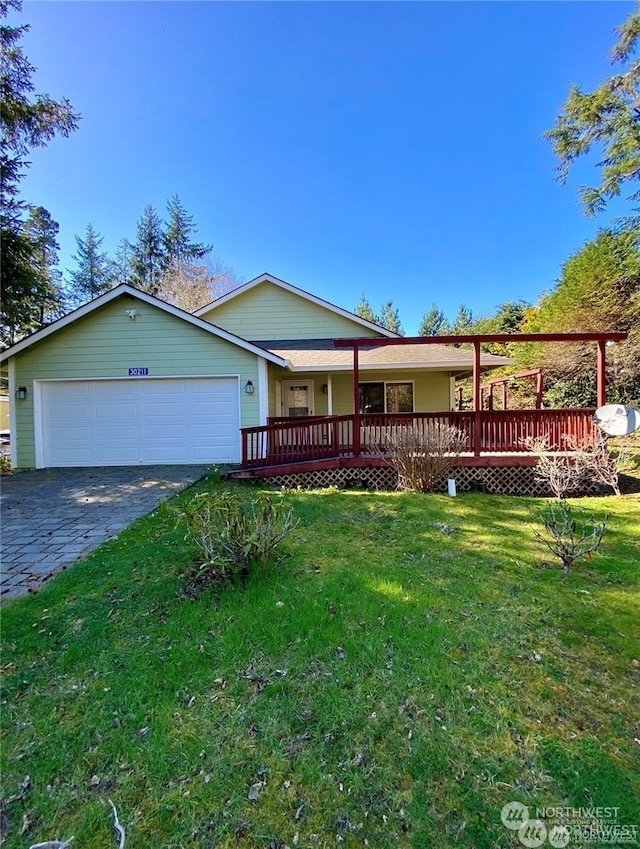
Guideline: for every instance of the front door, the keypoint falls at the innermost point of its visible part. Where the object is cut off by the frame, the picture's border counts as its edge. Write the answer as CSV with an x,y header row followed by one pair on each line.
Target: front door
x,y
297,398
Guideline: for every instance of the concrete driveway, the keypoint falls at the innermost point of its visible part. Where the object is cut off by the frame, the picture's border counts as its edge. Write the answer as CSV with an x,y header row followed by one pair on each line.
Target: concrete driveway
x,y
52,517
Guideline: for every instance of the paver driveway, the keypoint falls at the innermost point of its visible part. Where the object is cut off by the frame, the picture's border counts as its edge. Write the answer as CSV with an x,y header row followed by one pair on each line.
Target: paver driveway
x,y
52,517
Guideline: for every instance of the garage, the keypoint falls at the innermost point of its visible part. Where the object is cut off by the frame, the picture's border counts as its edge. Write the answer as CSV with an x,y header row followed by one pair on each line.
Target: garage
x,y
138,421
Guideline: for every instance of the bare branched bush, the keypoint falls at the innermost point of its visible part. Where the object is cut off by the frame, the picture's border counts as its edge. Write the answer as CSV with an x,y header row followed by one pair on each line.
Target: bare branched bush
x,y
598,462
423,458
569,534
562,473
585,463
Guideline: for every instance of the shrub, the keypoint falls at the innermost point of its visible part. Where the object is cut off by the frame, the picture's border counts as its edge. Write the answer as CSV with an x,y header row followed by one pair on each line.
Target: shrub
x,y
584,464
569,534
423,458
233,535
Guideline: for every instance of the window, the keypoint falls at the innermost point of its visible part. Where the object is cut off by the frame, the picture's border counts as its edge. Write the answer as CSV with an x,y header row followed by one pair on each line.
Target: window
x,y
399,397
386,398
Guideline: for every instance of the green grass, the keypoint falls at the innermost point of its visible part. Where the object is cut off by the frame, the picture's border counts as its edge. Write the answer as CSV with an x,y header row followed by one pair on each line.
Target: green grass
x,y
403,671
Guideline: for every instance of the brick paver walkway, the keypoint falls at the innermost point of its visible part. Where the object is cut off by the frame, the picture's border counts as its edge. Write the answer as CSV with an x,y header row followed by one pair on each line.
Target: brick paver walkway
x,y
52,517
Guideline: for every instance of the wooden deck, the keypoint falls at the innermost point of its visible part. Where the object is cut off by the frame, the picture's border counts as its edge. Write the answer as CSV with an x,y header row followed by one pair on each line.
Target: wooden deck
x,y
493,438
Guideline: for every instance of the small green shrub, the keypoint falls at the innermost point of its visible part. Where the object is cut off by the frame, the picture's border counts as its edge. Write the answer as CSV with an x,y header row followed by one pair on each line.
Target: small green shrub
x,y
570,535
232,535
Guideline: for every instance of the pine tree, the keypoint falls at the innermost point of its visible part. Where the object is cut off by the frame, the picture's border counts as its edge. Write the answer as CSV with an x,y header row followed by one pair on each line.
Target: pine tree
x,y
91,277
120,265
25,123
42,232
363,309
608,119
149,259
433,323
390,318
178,244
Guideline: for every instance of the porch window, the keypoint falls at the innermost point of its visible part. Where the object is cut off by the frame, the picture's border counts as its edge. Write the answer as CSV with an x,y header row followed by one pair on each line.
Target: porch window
x,y
386,398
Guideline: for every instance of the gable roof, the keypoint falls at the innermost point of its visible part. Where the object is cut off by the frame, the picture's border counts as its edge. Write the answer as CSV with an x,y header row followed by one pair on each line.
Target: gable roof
x,y
269,278
131,291
309,355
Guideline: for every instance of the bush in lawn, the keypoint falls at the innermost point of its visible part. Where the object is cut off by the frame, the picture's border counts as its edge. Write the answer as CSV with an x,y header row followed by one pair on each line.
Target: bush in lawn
x,y
562,473
584,464
423,458
569,534
232,535
599,463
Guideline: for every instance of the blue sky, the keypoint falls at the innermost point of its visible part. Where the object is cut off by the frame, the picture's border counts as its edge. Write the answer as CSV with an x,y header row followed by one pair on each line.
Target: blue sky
x,y
393,149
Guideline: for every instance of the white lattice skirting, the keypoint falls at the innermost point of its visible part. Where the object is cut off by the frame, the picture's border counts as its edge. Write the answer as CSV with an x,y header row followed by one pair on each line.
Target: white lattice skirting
x,y
500,480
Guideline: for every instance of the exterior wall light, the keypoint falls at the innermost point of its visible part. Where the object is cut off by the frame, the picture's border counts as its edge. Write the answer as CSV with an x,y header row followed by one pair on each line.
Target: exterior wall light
x,y
21,393
325,389
249,387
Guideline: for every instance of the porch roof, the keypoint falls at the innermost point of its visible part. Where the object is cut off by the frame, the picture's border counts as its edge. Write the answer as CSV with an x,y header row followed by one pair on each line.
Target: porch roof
x,y
321,355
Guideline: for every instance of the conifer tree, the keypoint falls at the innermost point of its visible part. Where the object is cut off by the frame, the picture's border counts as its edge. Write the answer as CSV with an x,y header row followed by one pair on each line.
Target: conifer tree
x,y
390,318
48,298
364,310
433,323
91,276
26,122
149,258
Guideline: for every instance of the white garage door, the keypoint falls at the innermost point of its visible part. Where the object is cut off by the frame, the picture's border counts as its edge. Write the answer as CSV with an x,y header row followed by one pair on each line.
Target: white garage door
x,y
140,421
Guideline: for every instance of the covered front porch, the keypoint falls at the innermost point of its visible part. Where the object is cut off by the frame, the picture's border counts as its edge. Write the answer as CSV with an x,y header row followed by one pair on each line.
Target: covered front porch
x,y
357,436
489,434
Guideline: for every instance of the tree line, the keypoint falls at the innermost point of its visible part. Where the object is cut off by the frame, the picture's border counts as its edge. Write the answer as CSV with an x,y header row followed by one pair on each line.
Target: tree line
x,y
598,290
599,286
163,259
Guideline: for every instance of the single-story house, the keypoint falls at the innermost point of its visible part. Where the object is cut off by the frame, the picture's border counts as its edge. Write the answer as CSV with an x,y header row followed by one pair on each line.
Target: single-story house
x,y
129,379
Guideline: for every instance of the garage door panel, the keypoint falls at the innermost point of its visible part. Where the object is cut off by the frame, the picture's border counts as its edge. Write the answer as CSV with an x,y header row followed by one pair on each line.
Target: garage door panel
x,y
131,422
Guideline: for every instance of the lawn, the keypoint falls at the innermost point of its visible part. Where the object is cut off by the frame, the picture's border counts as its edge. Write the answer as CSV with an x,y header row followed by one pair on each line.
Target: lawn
x,y
406,668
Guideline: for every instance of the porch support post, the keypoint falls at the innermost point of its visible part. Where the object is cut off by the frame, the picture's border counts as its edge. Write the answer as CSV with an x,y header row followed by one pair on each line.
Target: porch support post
x,y
477,400
356,402
539,383
602,374
329,396
504,395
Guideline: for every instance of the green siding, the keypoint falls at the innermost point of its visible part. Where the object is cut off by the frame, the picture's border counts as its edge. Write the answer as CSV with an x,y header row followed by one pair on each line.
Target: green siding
x,y
430,393
268,312
106,343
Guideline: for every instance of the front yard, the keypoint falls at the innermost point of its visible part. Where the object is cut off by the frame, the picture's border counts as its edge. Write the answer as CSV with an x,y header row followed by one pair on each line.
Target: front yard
x,y
405,669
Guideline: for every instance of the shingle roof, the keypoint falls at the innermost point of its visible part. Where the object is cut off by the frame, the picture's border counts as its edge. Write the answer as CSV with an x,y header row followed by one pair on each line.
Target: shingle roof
x,y
321,355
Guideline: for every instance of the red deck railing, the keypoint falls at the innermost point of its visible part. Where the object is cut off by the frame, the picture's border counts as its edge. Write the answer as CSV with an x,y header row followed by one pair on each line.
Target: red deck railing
x,y
295,440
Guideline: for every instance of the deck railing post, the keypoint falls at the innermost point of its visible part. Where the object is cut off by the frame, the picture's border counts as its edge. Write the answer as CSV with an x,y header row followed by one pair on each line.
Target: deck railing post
x,y
602,374
356,402
335,438
477,401
245,458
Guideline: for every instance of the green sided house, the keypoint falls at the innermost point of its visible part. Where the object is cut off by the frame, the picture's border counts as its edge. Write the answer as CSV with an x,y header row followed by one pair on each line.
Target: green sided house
x,y
128,379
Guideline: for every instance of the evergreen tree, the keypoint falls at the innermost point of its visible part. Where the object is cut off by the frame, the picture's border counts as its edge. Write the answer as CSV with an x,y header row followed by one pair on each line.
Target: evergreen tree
x,y
91,277
390,318
25,123
433,323
149,258
607,118
42,232
599,290
120,266
178,244
363,309
463,322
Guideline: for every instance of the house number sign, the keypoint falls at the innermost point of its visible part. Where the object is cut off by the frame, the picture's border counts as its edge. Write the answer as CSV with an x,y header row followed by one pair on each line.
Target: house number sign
x,y
138,371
